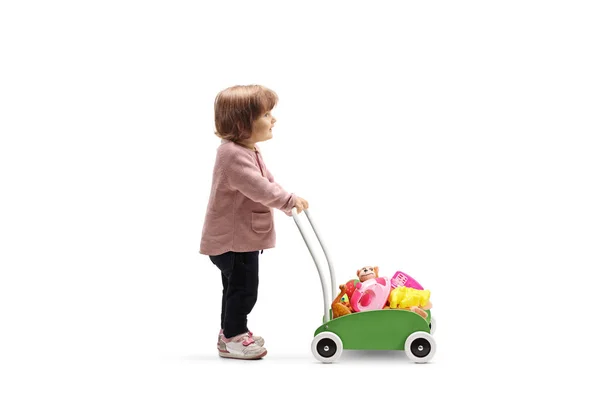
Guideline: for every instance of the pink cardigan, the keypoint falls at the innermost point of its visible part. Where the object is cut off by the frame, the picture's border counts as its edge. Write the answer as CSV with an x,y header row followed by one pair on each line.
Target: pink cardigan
x,y
239,215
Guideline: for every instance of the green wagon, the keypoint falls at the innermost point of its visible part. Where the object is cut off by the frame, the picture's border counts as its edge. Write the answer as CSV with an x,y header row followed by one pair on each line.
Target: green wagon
x,y
388,329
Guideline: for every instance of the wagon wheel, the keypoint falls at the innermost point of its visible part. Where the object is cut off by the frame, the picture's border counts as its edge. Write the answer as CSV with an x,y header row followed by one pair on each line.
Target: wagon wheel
x,y
327,347
432,325
420,347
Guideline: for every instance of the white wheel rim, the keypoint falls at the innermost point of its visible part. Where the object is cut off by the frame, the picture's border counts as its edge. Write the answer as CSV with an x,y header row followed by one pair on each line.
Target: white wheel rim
x,y
327,347
420,347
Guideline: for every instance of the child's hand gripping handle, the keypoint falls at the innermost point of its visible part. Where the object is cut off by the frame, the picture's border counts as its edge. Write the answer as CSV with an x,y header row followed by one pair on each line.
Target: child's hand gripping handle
x,y
300,205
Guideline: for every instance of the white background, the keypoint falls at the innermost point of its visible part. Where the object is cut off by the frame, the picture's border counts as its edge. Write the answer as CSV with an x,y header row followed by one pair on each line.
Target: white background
x,y
455,141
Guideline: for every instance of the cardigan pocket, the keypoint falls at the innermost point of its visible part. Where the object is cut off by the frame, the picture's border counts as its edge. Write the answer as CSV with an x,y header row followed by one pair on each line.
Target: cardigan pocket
x,y
262,222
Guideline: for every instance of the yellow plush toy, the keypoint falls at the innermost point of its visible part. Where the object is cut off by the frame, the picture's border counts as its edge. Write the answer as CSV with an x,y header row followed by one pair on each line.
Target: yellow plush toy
x,y
413,299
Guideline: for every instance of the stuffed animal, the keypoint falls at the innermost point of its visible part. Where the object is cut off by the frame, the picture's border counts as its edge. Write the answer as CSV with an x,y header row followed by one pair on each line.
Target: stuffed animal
x,y
341,307
367,273
371,291
363,274
410,299
338,307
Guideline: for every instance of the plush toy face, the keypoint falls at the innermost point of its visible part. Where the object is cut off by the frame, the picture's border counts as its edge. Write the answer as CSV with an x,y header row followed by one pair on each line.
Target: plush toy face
x,y
367,273
345,300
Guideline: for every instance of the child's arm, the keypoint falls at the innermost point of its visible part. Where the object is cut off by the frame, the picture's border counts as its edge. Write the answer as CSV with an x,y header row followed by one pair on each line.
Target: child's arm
x,y
271,178
243,175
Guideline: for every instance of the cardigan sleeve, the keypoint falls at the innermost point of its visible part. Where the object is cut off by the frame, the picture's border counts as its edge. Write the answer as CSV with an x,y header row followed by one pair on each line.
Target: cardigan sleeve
x,y
243,175
287,210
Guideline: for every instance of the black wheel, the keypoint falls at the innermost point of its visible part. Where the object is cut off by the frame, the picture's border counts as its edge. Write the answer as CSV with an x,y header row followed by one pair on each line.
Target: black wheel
x,y
326,347
420,347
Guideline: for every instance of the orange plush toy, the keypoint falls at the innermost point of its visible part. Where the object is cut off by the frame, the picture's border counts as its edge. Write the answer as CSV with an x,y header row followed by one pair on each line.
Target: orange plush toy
x,y
340,308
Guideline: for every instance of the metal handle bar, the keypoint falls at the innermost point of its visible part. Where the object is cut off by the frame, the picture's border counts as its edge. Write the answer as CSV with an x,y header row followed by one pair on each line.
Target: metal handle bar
x,y
326,301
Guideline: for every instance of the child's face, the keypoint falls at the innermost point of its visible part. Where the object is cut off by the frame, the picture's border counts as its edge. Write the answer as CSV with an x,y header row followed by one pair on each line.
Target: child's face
x,y
262,127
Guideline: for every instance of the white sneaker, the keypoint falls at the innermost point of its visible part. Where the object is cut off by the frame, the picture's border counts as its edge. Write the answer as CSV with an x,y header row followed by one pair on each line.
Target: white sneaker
x,y
221,344
242,347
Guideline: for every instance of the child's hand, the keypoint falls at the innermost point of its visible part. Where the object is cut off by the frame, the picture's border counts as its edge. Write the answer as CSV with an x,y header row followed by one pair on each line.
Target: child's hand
x,y
301,204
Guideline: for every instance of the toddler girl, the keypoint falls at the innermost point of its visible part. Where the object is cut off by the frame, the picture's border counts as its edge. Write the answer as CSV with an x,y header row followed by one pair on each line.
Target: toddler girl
x,y
239,217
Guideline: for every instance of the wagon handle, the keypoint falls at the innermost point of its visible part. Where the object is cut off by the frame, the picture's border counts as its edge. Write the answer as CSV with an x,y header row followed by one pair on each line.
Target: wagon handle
x,y
312,253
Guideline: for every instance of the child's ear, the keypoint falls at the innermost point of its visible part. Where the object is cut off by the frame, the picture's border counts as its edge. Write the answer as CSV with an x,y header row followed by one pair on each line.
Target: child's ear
x,y
358,272
376,271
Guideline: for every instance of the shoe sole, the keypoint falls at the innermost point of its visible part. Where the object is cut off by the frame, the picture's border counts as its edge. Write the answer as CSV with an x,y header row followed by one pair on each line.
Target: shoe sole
x,y
226,354
260,344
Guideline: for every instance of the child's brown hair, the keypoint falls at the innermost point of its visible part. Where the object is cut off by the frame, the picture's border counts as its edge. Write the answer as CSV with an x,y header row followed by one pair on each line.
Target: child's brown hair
x,y
238,106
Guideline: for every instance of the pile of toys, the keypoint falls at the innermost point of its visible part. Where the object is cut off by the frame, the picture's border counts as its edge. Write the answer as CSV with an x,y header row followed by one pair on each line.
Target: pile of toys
x,y
372,292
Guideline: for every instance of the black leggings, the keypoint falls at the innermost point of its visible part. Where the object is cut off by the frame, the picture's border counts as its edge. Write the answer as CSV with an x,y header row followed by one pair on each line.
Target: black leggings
x,y
239,274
